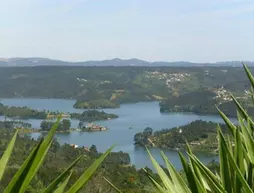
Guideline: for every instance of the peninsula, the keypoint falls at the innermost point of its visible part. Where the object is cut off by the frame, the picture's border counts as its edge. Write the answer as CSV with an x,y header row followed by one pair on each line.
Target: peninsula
x,y
200,135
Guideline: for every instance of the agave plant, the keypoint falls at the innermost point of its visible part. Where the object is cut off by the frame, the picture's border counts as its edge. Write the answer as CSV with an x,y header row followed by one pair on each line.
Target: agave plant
x,y
31,165
236,161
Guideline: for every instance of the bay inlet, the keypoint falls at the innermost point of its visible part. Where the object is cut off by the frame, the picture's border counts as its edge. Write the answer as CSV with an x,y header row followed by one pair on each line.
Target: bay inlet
x,y
136,116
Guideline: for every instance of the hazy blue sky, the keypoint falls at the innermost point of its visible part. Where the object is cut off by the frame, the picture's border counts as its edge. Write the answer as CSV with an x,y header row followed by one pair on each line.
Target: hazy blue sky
x,y
171,30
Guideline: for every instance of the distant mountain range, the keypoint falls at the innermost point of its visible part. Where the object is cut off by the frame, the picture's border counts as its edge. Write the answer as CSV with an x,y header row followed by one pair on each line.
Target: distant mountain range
x,y
19,62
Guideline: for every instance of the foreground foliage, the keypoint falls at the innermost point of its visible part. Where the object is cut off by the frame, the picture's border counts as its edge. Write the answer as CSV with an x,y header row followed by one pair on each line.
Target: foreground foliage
x,y
236,159
27,171
116,167
236,155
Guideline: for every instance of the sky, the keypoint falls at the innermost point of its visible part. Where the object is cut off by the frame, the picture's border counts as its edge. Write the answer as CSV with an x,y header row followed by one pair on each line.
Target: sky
x,y
153,30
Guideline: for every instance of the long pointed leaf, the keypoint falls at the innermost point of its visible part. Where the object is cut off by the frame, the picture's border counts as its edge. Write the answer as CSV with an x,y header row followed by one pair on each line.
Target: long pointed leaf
x,y
62,186
241,110
189,174
252,94
40,156
61,177
210,178
196,173
251,78
245,185
229,124
89,172
7,154
164,178
248,140
225,172
176,178
156,184
239,159
250,175
19,177
112,185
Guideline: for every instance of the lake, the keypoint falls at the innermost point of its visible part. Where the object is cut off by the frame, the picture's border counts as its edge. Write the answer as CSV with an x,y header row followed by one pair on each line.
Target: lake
x,y
138,116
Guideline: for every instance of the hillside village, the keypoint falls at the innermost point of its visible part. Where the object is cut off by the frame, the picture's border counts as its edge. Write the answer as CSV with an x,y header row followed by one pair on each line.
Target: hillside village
x,y
169,78
222,94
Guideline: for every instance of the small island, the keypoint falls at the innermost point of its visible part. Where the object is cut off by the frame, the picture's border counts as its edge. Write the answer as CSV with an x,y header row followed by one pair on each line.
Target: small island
x,y
93,127
200,135
92,115
96,104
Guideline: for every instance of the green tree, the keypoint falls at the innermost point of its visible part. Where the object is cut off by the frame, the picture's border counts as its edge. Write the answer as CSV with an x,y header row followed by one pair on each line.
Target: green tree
x,y
93,151
148,132
66,125
81,124
46,125
138,137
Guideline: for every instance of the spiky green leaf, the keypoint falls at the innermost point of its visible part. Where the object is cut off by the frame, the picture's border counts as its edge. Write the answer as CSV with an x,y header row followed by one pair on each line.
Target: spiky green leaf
x,y
89,172
61,187
230,125
233,164
112,185
40,156
61,177
4,159
175,176
163,176
19,177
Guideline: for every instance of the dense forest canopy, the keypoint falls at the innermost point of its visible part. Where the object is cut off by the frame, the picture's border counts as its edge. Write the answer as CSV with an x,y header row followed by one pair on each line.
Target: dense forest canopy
x,y
120,84
180,89
201,135
93,115
116,166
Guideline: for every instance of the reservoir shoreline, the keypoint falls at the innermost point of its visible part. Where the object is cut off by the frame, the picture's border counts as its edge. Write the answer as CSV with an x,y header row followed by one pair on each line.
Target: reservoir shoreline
x,y
136,115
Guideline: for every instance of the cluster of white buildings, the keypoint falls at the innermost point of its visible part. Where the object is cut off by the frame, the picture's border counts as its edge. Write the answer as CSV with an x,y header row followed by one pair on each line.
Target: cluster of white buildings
x,y
157,75
223,94
176,77
168,77
81,80
105,82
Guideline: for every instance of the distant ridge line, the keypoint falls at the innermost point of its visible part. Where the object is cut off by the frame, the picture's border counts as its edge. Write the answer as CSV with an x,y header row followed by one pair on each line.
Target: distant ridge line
x,y
37,61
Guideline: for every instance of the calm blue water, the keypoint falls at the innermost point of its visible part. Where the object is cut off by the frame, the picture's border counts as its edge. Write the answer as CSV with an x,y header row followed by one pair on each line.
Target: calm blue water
x,y
138,116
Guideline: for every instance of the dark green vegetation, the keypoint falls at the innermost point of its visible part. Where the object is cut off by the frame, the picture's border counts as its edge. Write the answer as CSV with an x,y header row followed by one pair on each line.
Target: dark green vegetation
x,y
201,136
64,125
235,154
99,87
204,101
22,112
14,124
116,167
96,104
93,115
236,160
27,113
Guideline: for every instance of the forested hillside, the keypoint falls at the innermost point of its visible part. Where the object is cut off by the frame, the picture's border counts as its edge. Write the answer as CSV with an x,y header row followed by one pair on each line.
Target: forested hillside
x,y
116,167
201,136
110,86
